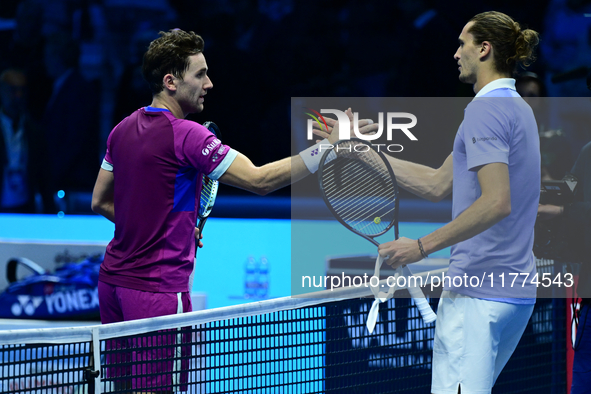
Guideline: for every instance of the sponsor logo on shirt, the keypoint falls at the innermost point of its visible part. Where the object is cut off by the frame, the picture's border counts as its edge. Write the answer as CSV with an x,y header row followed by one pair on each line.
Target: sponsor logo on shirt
x,y
210,147
215,157
475,140
221,150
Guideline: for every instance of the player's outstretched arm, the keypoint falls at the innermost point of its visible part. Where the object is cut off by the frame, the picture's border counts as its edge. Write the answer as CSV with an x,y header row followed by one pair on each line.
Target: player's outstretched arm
x,y
243,174
430,183
102,195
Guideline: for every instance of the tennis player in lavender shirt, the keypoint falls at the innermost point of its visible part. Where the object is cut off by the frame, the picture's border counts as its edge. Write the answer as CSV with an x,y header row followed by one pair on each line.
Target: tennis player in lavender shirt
x,y
148,186
494,172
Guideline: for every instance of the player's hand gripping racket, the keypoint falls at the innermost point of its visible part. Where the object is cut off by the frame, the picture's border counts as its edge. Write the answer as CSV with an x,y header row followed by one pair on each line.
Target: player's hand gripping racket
x,y
209,190
359,187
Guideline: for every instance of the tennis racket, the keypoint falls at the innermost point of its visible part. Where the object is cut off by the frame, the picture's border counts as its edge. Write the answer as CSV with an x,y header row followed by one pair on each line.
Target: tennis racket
x,y
360,189
209,191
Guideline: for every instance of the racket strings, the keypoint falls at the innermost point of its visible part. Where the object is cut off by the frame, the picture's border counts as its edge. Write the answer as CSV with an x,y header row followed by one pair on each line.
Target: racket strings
x,y
365,190
369,157
359,188
354,170
382,215
371,219
207,198
351,210
347,184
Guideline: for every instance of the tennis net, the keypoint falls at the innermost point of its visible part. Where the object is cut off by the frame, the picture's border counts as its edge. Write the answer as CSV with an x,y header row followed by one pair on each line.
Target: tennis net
x,y
286,345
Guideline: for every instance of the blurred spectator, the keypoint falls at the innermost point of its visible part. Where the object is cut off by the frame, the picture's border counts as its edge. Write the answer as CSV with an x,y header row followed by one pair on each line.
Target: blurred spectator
x,y
532,89
7,26
426,30
575,218
557,157
133,91
285,48
71,118
89,29
528,84
25,49
578,216
124,18
555,149
23,159
566,46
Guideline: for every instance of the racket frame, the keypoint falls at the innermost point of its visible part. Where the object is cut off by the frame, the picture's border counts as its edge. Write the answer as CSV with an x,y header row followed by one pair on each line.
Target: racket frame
x,y
393,223
202,216
416,293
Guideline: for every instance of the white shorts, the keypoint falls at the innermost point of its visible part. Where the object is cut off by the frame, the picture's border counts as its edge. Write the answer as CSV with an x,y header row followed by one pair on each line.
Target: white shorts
x,y
474,339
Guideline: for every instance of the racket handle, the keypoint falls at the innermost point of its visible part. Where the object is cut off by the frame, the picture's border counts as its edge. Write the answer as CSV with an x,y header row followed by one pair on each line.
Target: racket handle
x,y
200,227
202,224
422,305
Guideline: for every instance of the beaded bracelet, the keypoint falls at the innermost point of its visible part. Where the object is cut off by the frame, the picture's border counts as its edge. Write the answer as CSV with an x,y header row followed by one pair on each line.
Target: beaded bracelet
x,y
425,255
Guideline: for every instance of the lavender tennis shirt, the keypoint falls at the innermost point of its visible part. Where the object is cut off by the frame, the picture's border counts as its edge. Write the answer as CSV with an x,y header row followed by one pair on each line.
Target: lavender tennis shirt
x,y
498,127
157,162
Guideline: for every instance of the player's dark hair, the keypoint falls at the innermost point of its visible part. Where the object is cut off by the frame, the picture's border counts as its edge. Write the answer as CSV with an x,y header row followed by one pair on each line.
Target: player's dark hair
x,y
169,54
512,45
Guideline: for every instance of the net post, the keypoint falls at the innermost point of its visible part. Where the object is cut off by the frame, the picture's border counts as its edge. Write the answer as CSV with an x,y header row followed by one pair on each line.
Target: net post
x,y
93,374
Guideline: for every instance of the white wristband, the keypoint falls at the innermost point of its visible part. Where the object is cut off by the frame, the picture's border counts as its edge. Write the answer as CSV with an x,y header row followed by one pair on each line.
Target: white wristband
x,y
312,155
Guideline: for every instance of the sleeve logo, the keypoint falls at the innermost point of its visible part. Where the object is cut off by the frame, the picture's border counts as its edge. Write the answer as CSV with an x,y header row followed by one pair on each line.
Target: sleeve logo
x,y
210,147
475,140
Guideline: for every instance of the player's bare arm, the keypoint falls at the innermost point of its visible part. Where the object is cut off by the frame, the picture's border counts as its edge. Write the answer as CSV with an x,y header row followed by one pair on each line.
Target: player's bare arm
x,y
491,207
433,184
262,180
102,195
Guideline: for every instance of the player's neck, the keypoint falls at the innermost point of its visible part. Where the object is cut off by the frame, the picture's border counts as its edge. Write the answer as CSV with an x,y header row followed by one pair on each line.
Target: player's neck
x,y
171,105
485,77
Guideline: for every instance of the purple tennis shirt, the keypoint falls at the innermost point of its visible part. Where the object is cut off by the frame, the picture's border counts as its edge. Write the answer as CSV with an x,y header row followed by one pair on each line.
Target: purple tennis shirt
x,y
157,162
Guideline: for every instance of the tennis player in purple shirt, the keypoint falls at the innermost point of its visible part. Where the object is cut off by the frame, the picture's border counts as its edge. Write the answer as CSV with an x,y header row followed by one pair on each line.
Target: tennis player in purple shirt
x,y
148,186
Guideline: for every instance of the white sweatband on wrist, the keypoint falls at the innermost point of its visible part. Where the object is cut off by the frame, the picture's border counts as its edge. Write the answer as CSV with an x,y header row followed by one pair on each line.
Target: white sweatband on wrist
x,y
312,155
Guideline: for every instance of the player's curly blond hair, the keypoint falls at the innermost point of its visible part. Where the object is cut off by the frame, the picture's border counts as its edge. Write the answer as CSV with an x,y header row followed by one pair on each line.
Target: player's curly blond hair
x,y
169,54
512,45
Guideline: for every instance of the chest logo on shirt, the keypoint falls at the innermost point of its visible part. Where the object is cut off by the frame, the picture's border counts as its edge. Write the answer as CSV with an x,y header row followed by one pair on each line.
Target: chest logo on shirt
x,y
475,140
210,147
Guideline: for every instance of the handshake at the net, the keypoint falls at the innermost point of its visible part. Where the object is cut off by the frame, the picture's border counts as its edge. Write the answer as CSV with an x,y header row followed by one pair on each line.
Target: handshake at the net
x,y
330,128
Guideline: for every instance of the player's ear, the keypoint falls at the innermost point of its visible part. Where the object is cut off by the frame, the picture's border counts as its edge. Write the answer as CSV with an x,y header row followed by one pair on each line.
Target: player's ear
x,y
485,49
169,82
